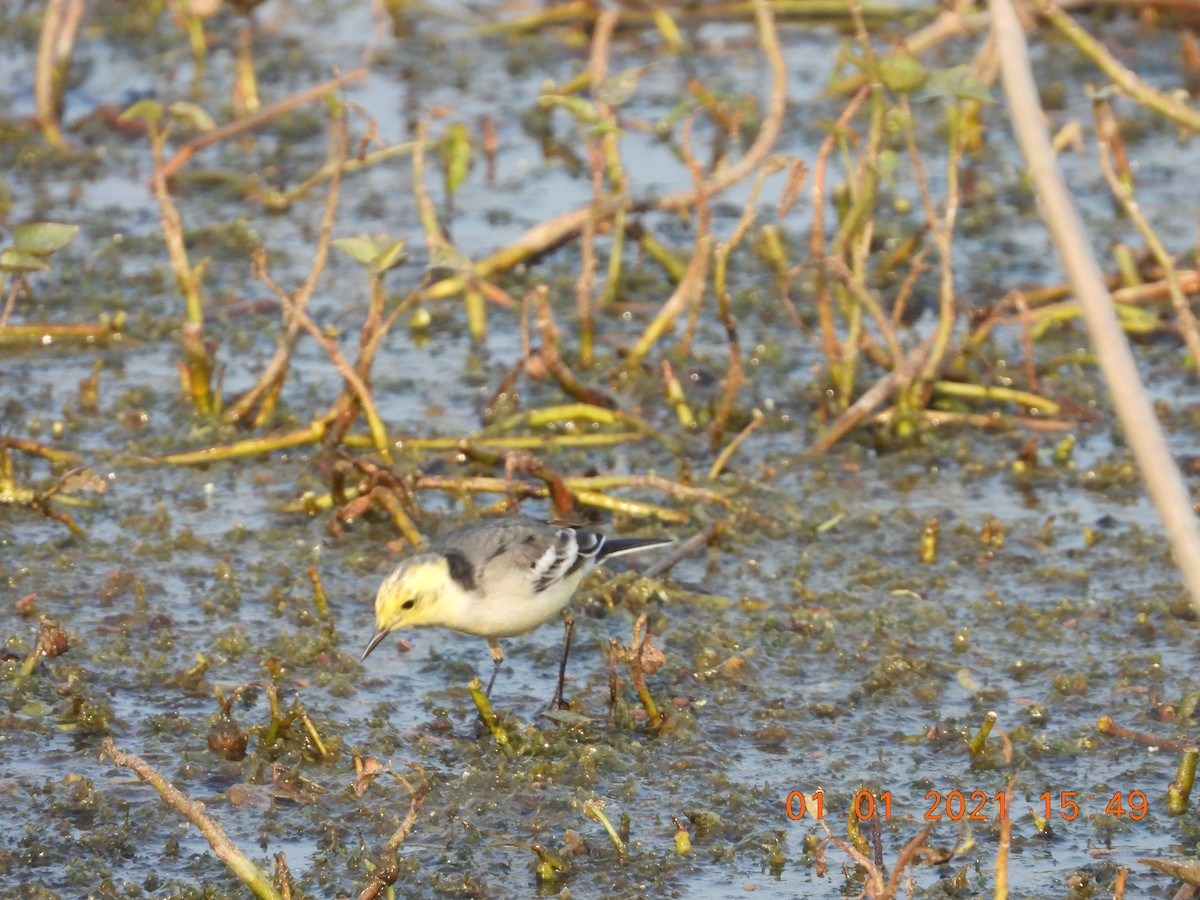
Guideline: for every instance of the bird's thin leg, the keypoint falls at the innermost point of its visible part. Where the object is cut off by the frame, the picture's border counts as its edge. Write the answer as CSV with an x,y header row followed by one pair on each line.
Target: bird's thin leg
x,y
498,661
568,630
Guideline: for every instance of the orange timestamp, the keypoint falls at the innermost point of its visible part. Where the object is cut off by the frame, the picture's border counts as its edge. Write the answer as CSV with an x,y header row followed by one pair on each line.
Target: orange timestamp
x,y
973,806
1070,805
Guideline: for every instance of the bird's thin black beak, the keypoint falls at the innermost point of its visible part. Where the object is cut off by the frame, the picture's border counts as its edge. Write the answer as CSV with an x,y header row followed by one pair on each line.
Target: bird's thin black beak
x,y
376,640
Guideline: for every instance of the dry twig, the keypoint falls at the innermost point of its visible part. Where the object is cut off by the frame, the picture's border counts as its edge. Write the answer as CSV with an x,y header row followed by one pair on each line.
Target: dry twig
x,y
250,875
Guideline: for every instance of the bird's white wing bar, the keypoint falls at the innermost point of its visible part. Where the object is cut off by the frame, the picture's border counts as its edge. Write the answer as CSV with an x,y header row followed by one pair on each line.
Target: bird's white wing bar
x,y
571,550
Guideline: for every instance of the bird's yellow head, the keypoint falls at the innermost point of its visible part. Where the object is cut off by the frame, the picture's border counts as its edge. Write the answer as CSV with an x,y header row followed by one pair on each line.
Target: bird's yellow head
x,y
410,596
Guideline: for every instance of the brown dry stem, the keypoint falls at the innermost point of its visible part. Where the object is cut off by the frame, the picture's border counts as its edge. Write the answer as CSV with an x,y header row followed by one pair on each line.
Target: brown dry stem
x,y
829,338
1105,725
735,375
875,886
198,359
943,236
549,357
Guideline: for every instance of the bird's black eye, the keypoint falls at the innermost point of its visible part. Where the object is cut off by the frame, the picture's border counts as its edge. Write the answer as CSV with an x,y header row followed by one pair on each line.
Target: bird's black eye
x,y
409,604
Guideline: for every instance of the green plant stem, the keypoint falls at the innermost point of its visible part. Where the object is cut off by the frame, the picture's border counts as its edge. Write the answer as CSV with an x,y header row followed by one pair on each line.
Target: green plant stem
x,y
980,739
488,714
993,392
594,810
1179,790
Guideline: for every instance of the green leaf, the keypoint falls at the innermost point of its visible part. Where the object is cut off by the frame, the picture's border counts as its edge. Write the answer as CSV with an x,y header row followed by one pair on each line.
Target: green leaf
x,y
581,109
43,238
13,260
902,73
618,88
447,256
955,83
455,148
361,249
148,111
192,114
391,256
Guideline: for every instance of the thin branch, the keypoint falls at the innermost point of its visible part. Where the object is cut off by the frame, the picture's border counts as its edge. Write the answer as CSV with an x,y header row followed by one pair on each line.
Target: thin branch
x,y
250,875
60,25
272,377
248,123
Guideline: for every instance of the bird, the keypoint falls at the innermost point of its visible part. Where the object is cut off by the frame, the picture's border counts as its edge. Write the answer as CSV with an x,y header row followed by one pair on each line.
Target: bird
x,y
496,578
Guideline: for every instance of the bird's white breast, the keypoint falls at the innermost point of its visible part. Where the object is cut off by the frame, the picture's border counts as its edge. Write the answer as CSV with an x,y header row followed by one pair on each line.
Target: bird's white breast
x,y
517,608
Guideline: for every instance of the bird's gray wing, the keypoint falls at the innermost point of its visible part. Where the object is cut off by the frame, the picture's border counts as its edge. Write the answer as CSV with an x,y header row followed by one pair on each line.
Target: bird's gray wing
x,y
505,551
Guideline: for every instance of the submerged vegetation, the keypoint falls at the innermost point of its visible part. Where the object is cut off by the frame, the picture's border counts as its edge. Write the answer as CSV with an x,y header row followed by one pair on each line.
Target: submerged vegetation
x,y
289,289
